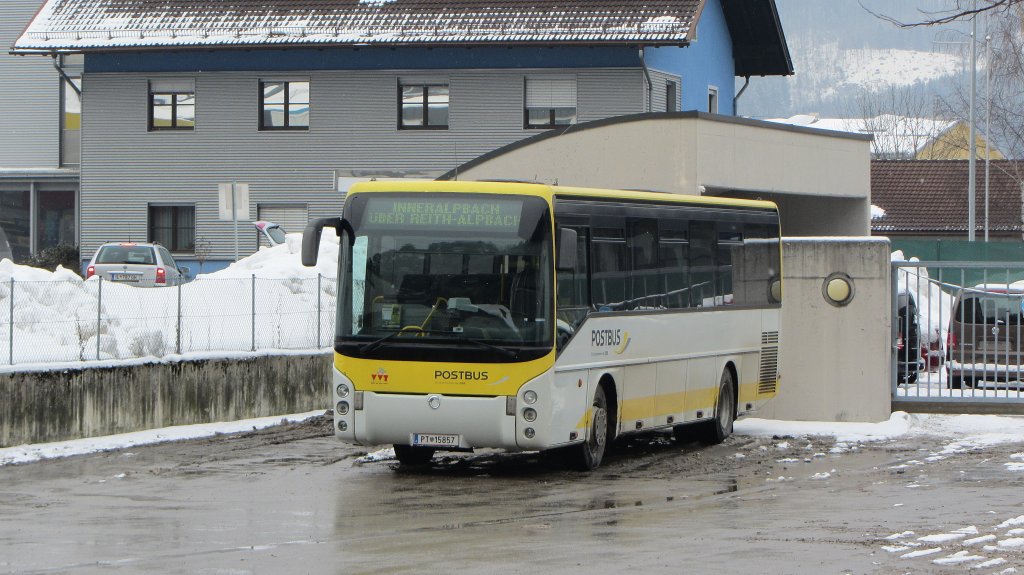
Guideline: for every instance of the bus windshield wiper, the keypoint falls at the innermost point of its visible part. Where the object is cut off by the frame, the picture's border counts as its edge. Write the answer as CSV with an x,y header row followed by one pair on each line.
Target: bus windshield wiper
x,y
507,352
366,348
378,342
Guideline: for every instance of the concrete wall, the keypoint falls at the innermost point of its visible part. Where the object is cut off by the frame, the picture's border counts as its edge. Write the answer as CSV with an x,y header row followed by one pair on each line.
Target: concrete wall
x,y
59,405
834,361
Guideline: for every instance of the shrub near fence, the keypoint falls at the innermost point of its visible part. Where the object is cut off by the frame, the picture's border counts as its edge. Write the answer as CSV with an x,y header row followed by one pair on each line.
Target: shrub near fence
x,y
97,320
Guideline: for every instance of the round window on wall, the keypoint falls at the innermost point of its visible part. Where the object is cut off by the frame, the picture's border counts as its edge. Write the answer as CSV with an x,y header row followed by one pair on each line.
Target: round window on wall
x,y
838,289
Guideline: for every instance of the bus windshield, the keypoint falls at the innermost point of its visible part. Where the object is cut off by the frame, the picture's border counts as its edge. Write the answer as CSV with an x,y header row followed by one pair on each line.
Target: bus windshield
x,y
467,272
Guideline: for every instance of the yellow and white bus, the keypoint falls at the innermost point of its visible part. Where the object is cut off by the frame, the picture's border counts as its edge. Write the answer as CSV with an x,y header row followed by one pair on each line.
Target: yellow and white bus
x,y
532,317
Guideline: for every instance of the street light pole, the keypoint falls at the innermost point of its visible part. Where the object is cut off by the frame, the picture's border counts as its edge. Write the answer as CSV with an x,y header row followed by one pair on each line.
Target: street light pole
x,y
973,147
988,113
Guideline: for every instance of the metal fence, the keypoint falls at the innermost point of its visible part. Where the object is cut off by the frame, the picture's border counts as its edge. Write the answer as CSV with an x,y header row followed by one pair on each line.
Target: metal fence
x,y
71,321
957,333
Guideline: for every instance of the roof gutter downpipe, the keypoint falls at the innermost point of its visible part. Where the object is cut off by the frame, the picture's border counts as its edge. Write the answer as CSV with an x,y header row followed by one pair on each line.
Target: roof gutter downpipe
x,y
647,74
736,98
64,75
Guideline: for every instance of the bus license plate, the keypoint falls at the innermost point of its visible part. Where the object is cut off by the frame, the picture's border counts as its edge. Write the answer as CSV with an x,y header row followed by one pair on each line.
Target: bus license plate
x,y
436,439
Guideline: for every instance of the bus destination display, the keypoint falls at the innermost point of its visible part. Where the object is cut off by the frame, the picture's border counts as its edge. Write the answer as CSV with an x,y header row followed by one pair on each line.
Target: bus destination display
x,y
471,215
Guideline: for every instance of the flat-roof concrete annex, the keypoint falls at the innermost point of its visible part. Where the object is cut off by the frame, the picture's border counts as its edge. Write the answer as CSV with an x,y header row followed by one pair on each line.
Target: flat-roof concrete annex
x,y
820,179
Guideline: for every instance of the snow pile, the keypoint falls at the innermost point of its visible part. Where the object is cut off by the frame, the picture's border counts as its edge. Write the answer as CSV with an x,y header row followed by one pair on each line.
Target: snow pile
x,y
877,213
265,301
970,432
39,451
284,261
934,305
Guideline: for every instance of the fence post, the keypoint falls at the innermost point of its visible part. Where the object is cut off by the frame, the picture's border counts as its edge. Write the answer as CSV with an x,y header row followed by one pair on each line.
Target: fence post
x,y
177,345
10,350
318,319
253,312
99,315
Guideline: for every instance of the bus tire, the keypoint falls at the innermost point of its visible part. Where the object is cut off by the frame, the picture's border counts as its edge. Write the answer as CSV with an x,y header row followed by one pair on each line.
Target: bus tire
x,y
719,428
587,456
412,455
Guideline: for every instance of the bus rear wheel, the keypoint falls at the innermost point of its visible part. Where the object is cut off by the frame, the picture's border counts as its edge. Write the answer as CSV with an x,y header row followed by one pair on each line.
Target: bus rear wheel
x,y
412,455
715,431
588,455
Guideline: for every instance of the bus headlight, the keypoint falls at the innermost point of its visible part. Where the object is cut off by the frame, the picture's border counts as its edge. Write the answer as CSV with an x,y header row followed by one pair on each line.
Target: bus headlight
x,y
529,433
342,426
530,414
343,390
530,397
342,408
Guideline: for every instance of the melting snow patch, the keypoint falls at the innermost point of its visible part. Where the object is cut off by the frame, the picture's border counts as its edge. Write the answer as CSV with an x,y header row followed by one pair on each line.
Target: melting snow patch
x,y
787,460
976,540
739,456
989,563
1015,532
783,445
1011,543
958,557
822,475
382,455
900,535
921,553
1019,520
894,548
940,537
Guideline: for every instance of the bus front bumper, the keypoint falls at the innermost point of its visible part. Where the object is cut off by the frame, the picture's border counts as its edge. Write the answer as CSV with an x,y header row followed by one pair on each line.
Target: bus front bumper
x,y
372,418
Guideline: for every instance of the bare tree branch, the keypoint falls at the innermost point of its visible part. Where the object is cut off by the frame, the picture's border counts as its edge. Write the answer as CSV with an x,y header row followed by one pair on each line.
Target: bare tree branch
x,y
960,12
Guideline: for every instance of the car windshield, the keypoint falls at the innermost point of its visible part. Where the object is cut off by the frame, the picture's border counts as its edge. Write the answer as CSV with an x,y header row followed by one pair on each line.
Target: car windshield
x,y
991,309
142,255
449,269
276,234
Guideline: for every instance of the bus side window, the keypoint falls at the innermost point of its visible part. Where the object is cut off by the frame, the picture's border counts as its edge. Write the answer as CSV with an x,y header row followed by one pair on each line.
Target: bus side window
x,y
573,286
674,253
730,244
703,236
611,269
647,289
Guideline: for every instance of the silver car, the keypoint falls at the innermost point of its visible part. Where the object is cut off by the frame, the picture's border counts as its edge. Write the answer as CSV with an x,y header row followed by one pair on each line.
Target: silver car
x,y
138,264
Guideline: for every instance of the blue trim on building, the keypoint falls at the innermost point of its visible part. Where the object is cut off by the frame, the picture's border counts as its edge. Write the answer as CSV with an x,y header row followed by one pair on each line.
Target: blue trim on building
x,y
373,58
708,61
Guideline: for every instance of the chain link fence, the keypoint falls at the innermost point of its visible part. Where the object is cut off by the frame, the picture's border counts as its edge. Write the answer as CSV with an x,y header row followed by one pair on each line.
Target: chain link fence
x,y
96,320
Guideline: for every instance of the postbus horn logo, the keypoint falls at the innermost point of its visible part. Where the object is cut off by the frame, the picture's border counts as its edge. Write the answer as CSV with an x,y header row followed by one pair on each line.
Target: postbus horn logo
x,y
380,377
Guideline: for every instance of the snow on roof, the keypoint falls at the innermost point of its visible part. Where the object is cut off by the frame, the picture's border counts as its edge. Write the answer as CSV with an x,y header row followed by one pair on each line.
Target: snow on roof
x,y
95,24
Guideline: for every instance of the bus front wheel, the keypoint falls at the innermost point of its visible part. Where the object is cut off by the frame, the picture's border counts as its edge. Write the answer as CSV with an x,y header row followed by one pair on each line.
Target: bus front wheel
x,y
716,430
588,455
412,455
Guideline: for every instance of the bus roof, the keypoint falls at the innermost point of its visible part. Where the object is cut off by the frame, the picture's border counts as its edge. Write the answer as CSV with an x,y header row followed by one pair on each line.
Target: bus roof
x,y
550,191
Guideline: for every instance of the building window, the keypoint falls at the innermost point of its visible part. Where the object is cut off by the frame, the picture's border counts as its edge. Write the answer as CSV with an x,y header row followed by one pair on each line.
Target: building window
x,y
284,105
173,227
671,96
172,105
423,106
550,102
712,100
71,123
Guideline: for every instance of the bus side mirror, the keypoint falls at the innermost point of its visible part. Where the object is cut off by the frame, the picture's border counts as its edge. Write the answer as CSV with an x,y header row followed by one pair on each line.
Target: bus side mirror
x,y
311,237
566,250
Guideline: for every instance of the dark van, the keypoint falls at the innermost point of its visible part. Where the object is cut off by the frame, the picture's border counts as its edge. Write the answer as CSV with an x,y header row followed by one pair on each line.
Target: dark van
x,y
985,334
908,339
